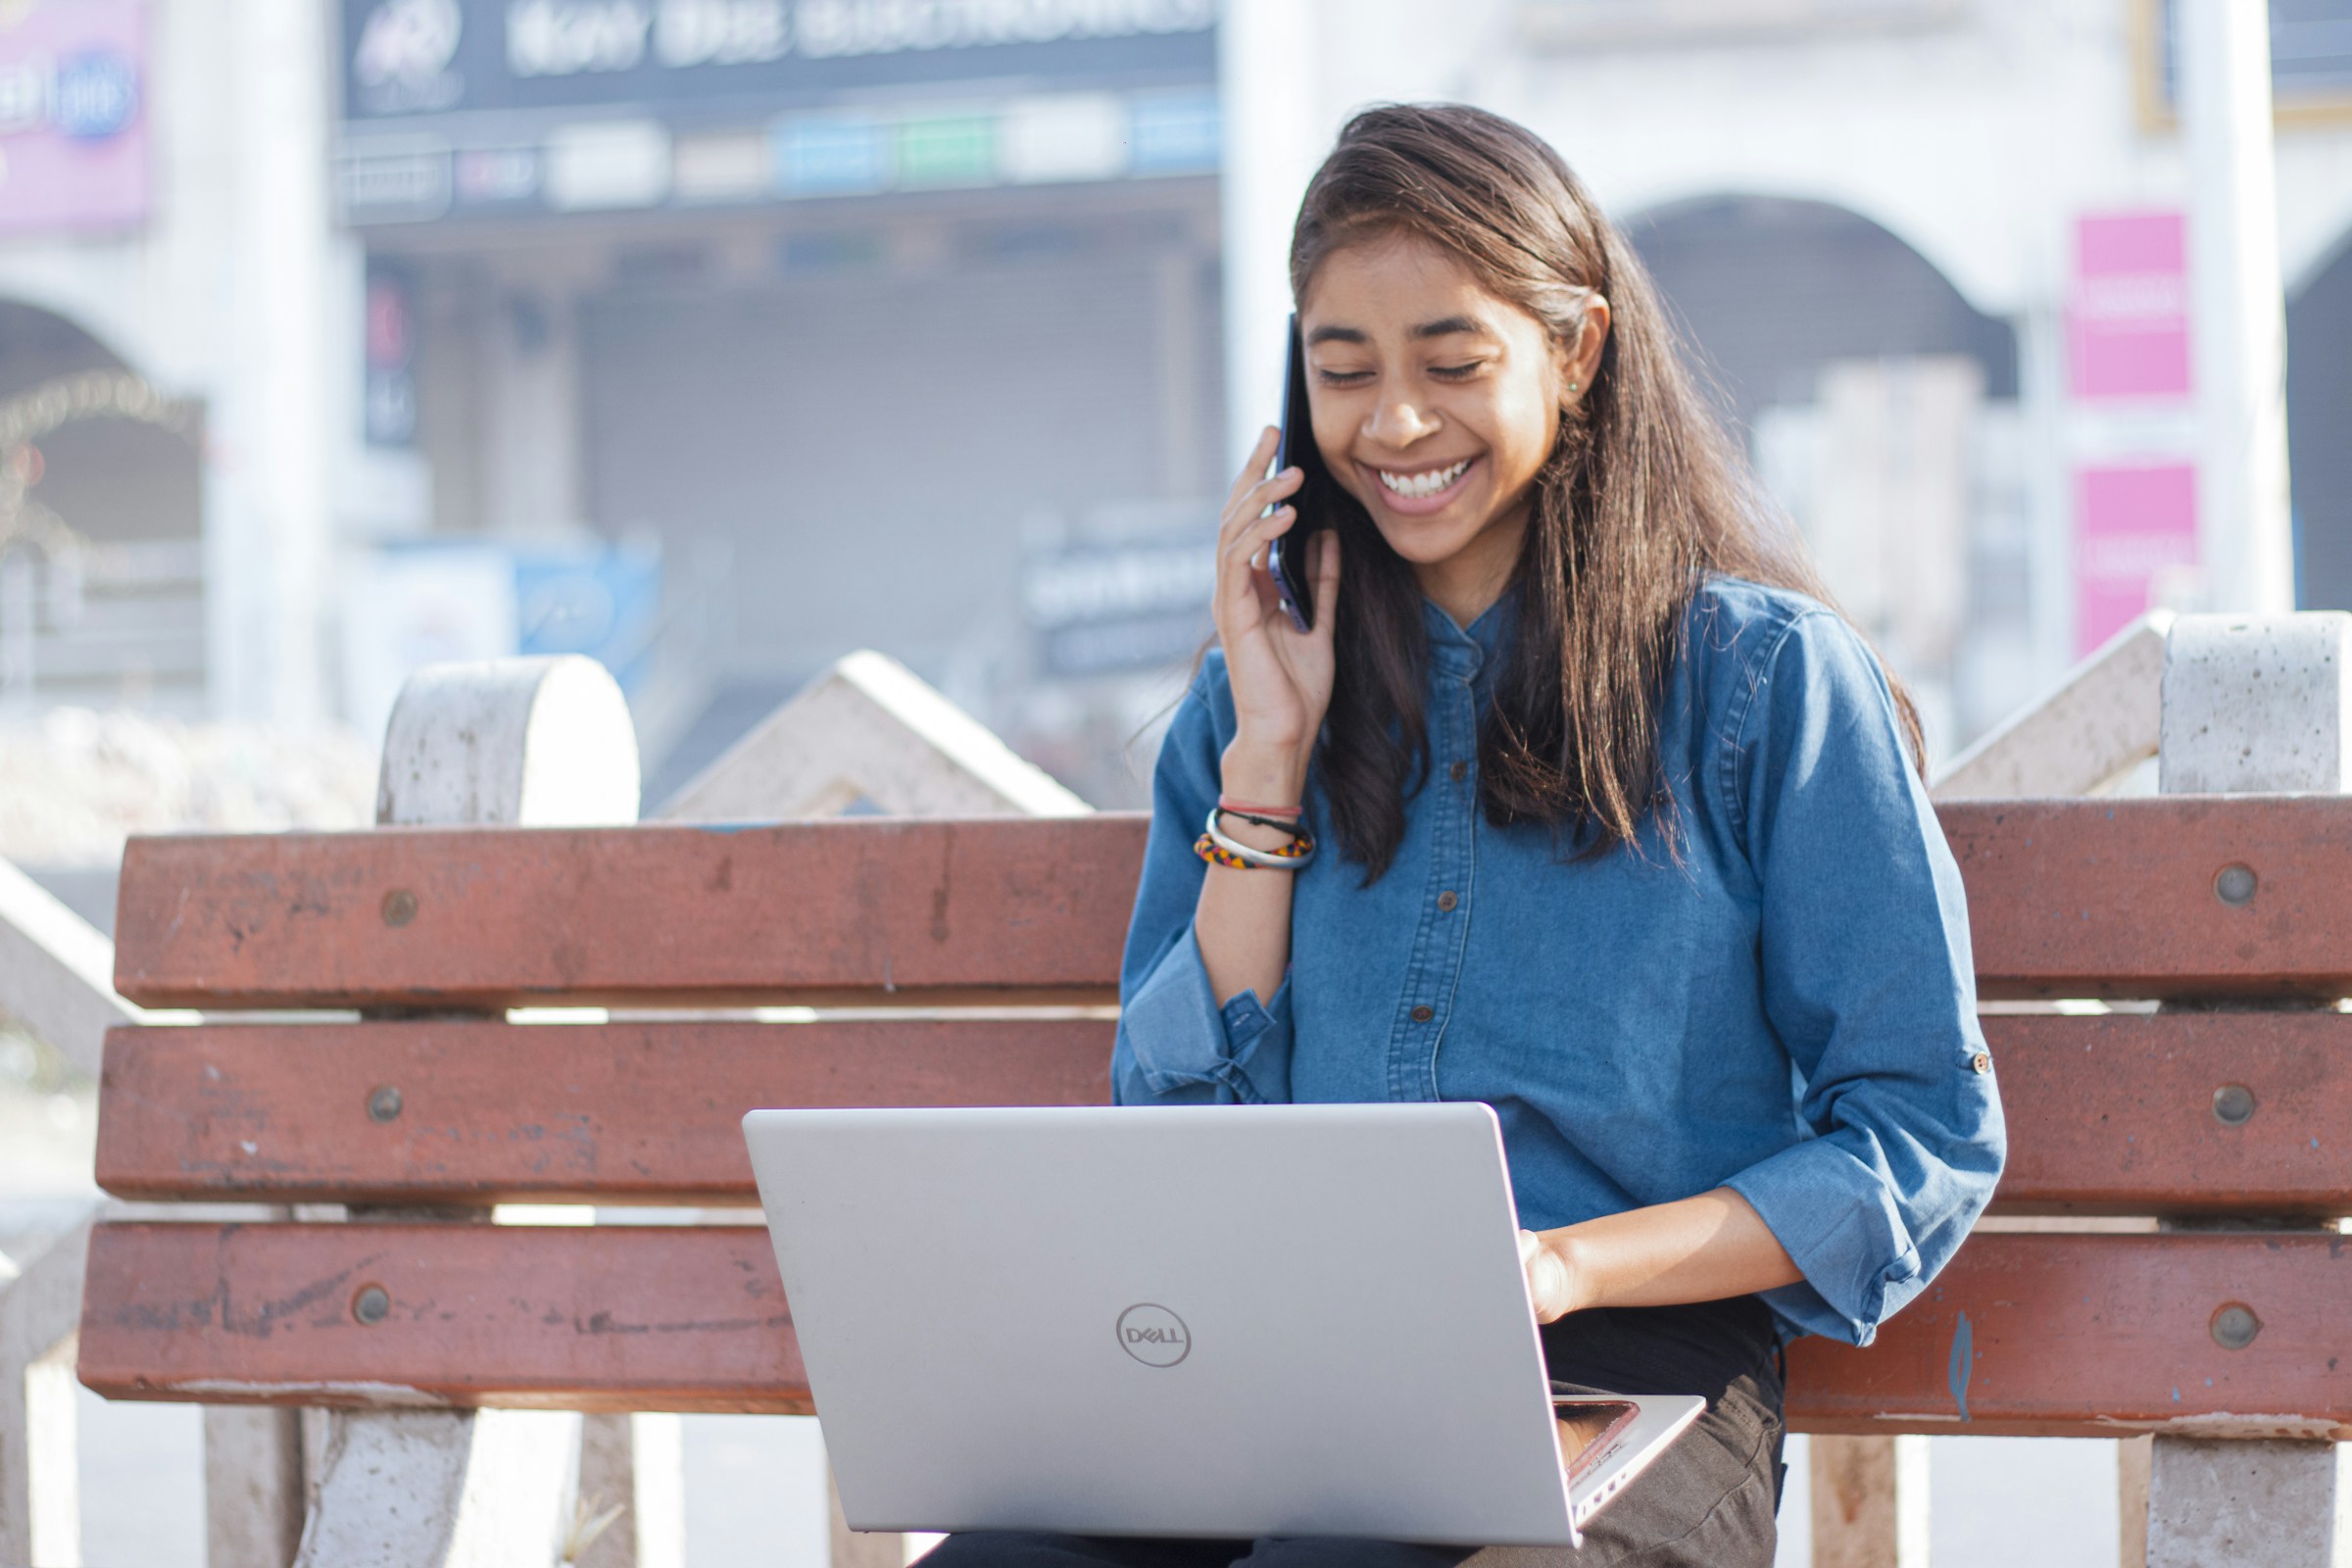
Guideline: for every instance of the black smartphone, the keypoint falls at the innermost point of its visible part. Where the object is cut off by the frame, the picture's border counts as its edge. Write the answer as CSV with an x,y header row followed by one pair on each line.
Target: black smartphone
x,y
1288,557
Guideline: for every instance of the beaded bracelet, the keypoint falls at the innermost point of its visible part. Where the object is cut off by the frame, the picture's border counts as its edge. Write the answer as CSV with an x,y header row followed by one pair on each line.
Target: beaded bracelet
x,y
1292,859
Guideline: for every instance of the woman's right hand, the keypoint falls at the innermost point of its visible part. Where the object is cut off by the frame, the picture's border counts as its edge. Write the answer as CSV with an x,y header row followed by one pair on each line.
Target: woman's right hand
x,y
1279,675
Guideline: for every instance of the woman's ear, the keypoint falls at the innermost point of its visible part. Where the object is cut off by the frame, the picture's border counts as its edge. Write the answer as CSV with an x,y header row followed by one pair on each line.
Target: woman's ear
x,y
1580,354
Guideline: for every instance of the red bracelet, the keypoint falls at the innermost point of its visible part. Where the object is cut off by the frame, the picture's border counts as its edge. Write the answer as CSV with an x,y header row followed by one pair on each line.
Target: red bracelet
x,y
1237,808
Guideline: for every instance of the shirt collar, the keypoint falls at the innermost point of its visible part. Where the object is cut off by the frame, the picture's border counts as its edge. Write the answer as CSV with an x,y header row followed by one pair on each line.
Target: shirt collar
x,y
1462,653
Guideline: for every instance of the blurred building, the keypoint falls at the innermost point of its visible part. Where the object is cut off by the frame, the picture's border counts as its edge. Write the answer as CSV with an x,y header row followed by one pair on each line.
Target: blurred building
x,y
716,337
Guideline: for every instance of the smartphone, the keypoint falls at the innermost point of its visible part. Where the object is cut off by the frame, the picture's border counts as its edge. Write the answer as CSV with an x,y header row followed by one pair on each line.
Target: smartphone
x,y
1288,557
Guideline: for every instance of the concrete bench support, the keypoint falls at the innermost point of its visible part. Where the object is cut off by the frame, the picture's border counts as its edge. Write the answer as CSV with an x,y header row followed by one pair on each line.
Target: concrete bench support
x,y
2253,704
40,1512
524,742
1870,1502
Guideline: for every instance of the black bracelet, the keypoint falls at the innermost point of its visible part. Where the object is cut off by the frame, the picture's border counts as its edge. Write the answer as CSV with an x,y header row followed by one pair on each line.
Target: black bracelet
x,y
1291,828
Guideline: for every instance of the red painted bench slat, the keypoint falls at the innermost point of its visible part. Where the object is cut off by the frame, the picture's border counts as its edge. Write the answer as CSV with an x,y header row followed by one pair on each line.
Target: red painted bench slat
x,y
2068,899
2116,1114
2066,1334
2100,898
477,1111
917,913
2110,1114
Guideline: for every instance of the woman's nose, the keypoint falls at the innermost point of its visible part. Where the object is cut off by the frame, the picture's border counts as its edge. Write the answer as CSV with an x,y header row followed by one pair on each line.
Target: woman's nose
x,y
1399,424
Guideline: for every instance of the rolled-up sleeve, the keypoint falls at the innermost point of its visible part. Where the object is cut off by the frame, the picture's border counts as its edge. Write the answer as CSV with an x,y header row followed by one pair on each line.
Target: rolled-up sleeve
x,y
1868,981
1176,1046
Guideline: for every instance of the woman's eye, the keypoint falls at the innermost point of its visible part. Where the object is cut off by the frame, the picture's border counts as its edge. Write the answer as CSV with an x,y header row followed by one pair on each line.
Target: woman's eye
x,y
1457,373
1344,378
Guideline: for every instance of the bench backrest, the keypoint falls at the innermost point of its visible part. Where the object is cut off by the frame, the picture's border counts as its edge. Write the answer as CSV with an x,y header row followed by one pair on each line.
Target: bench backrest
x,y
916,924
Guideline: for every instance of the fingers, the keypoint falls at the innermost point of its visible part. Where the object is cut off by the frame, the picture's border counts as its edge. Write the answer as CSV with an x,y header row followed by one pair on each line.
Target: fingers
x,y
1259,456
1547,1283
1241,563
1325,560
1247,506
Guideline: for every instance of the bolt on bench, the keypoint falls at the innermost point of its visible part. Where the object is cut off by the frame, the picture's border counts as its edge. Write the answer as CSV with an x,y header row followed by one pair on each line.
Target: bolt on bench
x,y
431,1106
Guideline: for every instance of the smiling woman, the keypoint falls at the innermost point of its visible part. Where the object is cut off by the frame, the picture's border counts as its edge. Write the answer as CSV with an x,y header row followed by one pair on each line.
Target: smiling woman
x,y
1628,840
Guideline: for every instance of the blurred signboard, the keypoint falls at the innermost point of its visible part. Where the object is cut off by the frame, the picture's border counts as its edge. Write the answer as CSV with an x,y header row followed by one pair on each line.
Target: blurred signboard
x,y
388,399
407,57
73,116
2126,312
1102,607
2135,544
1586,23
470,108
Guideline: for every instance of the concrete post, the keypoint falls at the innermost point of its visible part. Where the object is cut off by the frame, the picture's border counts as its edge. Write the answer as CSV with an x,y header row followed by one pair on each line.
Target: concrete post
x,y
2239,317
40,1491
2253,704
1870,1502
512,742
253,1486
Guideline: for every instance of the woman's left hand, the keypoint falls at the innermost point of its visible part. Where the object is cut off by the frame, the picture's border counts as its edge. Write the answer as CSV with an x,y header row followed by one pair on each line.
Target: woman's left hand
x,y
1550,1283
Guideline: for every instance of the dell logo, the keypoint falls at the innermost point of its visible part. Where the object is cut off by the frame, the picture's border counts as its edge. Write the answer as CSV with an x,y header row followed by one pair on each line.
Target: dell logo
x,y
1153,1335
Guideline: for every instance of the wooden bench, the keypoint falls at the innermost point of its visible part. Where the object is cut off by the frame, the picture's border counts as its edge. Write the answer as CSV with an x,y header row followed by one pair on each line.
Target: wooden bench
x,y
430,1106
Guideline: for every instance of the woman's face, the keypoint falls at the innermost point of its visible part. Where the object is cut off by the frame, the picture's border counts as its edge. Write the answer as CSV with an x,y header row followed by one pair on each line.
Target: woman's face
x,y
1436,404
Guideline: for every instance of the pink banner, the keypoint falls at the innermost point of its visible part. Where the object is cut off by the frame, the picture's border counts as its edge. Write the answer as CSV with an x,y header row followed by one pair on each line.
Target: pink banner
x,y
73,116
2127,317
2134,528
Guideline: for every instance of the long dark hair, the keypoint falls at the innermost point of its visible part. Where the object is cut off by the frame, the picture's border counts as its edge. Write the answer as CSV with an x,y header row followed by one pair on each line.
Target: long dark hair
x,y
1644,495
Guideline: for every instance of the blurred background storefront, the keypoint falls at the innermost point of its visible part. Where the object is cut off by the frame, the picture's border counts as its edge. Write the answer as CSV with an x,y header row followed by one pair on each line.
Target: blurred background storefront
x,y
715,337
832,314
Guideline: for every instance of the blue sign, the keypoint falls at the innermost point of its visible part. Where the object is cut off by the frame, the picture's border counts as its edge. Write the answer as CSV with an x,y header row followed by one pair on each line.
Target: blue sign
x,y
831,155
95,96
1176,133
605,603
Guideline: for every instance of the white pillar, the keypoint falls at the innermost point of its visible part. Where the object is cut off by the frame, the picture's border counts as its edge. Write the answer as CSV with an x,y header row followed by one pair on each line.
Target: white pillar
x,y
270,426
2252,705
1266,91
2239,367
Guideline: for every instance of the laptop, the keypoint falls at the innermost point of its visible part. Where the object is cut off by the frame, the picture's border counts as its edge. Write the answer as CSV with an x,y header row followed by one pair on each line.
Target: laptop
x,y
1216,1321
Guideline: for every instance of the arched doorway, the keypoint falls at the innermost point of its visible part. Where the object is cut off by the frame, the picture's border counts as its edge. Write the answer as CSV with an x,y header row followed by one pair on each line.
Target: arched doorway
x,y
1881,409
2319,432
100,579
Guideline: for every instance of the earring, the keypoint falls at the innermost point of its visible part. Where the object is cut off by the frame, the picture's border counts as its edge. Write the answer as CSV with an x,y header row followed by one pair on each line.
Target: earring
x,y
1572,386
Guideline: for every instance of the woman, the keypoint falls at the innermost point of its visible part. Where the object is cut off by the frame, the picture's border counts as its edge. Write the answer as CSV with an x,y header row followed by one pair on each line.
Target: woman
x,y
1576,800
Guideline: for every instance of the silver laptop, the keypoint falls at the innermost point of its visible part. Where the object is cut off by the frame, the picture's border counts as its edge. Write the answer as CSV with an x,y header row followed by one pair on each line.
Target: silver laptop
x,y
1280,1320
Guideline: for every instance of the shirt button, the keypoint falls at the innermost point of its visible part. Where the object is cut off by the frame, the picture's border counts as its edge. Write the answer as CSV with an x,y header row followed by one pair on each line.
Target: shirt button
x,y
1423,1013
1459,771
1981,1061
1447,901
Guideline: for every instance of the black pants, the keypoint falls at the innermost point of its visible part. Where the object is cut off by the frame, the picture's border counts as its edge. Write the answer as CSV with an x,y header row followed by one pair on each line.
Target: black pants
x,y
1708,1501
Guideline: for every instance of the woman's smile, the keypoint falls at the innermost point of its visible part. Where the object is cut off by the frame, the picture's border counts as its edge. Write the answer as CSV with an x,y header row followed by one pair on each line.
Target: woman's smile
x,y
1424,490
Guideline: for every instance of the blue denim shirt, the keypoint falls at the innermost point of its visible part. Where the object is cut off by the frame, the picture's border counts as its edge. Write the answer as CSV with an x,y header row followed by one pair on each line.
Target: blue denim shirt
x,y
1788,1010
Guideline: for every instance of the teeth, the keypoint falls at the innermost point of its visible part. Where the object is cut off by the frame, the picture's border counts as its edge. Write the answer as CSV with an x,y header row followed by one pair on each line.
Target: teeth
x,y
1419,486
